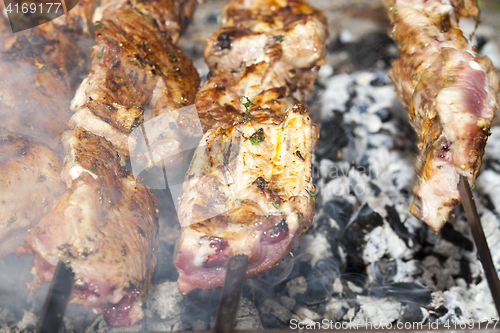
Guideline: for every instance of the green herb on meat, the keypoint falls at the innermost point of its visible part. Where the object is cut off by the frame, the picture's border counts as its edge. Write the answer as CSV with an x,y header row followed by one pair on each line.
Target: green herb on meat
x,y
246,117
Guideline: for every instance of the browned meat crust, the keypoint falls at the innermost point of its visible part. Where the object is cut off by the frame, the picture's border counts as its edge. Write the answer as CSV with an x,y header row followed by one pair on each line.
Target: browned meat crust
x,y
105,226
450,92
30,179
249,188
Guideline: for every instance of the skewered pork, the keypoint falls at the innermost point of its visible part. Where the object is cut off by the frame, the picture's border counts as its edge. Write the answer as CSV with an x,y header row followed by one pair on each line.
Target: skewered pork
x,y
37,67
30,179
105,226
249,188
450,92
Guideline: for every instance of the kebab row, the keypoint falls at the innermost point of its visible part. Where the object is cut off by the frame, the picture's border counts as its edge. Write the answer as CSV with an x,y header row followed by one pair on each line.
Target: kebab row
x,y
105,226
248,190
451,96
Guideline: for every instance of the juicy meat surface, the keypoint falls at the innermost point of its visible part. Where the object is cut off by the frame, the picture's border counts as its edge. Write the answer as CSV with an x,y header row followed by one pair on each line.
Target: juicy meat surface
x,y
105,226
246,198
249,189
30,181
37,67
450,92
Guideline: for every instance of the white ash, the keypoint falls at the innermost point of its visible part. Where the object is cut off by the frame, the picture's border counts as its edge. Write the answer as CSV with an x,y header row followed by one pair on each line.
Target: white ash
x,y
373,309
164,302
297,286
277,310
247,317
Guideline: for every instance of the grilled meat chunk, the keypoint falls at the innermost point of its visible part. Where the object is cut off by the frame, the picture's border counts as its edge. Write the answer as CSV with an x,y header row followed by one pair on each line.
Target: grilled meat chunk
x,y
30,179
35,66
38,67
248,189
105,226
450,92
133,67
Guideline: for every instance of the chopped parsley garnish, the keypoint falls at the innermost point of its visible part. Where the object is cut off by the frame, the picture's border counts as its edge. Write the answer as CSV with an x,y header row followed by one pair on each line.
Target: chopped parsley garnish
x,y
76,159
276,203
137,122
172,56
98,25
246,117
133,10
472,187
257,137
451,79
279,38
100,54
313,195
94,166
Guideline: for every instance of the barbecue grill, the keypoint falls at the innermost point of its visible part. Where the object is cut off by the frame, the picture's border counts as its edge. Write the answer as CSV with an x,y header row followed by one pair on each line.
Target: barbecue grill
x,y
366,262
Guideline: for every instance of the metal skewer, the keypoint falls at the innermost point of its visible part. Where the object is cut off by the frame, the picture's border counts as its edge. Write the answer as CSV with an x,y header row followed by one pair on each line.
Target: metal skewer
x,y
480,240
57,299
231,294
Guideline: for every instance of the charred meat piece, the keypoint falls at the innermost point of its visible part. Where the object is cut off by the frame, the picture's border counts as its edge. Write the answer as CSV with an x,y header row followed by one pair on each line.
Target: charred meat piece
x,y
134,67
30,179
249,192
249,189
450,92
105,226
38,67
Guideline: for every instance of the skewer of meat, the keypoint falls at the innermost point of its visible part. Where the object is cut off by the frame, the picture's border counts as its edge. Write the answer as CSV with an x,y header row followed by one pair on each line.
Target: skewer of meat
x,y
37,67
249,189
105,226
450,93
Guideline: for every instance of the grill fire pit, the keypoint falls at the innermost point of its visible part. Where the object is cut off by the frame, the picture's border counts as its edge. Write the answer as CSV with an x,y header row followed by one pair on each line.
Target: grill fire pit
x,y
366,263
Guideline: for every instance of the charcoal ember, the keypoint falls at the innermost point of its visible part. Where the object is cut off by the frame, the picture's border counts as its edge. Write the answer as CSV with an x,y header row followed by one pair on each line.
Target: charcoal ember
x,y
404,292
165,269
328,271
200,305
100,325
317,291
274,315
370,49
384,114
165,302
296,287
288,302
332,138
247,317
381,79
449,233
354,238
340,210
75,320
412,313
384,270
396,224
434,275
